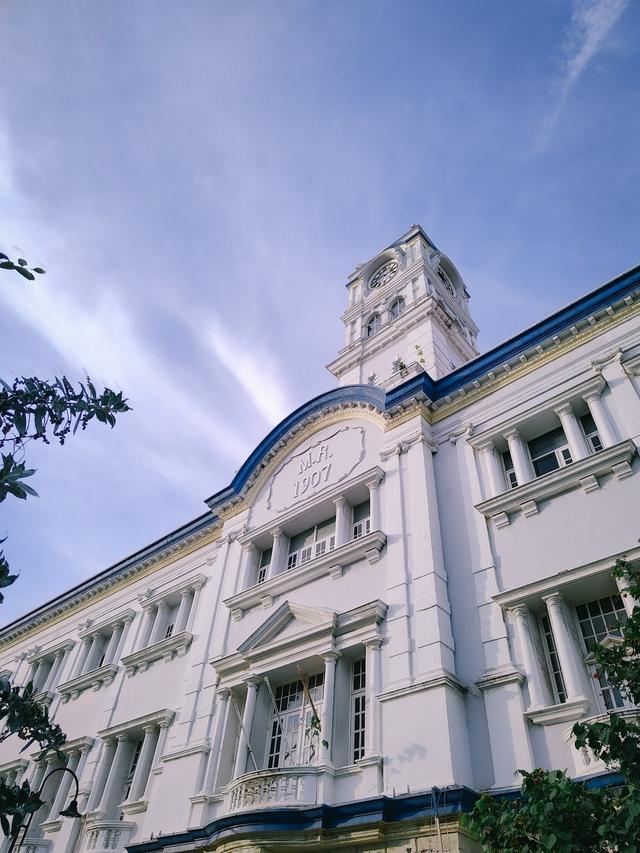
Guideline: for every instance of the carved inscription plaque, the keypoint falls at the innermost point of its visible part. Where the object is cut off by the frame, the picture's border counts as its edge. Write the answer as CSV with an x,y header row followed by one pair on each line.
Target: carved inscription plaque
x,y
316,466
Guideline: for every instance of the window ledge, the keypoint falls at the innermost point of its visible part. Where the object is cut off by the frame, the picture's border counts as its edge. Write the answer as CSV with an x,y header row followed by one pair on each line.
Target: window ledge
x,y
134,807
138,661
332,563
585,472
563,712
104,675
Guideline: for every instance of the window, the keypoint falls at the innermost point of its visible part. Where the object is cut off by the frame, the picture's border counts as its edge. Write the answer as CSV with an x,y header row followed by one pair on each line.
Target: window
x,y
311,543
509,470
293,736
549,452
361,520
374,324
358,711
599,620
264,561
591,432
128,780
553,661
169,631
396,308
444,278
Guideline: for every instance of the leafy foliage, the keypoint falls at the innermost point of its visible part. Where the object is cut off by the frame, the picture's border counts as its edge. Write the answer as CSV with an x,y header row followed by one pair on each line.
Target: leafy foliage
x,y
555,813
19,801
21,267
33,409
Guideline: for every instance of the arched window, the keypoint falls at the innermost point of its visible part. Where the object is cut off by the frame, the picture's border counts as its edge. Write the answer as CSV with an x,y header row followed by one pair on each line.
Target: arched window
x,y
396,308
444,277
374,324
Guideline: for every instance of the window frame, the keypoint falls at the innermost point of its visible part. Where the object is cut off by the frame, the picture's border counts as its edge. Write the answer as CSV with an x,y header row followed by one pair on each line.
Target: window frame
x,y
396,308
373,324
358,711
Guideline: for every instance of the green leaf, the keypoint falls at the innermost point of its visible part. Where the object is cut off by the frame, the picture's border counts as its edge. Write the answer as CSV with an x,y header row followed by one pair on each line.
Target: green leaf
x,y
39,270
22,262
28,275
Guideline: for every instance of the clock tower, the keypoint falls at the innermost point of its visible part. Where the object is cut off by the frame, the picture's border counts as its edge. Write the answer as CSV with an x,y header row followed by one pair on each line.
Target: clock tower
x,y
407,312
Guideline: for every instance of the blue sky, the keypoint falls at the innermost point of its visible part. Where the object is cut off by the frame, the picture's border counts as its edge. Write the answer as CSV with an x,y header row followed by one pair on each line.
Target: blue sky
x,y
199,178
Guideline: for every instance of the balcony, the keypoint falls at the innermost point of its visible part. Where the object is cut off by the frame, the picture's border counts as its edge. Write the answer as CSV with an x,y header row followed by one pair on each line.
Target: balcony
x,y
330,562
107,835
94,679
295,786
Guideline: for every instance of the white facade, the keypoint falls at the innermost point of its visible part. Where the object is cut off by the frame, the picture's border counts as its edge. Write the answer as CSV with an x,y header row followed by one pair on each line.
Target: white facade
x,y
396,594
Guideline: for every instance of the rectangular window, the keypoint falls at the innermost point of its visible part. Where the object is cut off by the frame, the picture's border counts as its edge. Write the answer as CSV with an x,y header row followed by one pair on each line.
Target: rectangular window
x,y
169,631
553,661
128,781
509,470
591,433
294,739
598,620
263,564
312,543
361,520
358,708
549,452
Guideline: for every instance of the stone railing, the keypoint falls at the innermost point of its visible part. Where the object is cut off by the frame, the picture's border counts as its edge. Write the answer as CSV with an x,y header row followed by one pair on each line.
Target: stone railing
x,y
107,835
35,845
290,786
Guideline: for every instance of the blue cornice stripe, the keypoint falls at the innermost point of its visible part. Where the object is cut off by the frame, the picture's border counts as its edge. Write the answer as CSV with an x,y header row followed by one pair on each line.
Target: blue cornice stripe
x,y
612,291
410,807
369,394
439,801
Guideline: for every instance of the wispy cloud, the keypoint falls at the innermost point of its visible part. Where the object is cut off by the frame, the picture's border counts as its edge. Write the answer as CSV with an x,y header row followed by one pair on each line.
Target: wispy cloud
x,y
591,23
253,367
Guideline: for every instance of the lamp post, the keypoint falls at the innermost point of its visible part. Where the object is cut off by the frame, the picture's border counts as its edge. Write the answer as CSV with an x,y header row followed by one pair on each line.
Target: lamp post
x,y
70,811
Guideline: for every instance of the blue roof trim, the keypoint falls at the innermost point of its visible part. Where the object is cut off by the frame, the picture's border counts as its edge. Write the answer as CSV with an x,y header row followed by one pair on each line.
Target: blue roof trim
x,y
369,394
439,801
612,291
183,532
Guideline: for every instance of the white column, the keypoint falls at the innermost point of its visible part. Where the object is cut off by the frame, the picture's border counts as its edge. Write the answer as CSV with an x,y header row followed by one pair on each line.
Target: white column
x,y
374,503
564,644
37,774
126,624
278,554
116,773
162,739
343,521
92,657
50,683
601,419
627,599
83,654
519,456
249,565
100,779
148,624
114,640
143,768
245,729
158,625
222,712
521,618
194,606
493,469
372,709
186,597
62,793
573,432
37,676
326,723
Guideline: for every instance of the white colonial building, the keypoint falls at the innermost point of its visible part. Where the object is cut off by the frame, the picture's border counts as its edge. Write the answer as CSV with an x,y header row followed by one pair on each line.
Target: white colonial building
x,y
390,608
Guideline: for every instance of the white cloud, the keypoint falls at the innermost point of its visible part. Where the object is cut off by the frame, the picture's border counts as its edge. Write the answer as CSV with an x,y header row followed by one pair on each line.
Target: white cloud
x,y
254,368
591,22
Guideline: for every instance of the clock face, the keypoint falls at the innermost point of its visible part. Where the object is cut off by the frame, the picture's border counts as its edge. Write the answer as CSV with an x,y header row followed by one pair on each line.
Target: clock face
x,y
383,274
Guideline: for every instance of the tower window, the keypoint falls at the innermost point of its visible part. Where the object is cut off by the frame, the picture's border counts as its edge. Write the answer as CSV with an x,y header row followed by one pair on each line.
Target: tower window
x,y
443,276
396,308
374,324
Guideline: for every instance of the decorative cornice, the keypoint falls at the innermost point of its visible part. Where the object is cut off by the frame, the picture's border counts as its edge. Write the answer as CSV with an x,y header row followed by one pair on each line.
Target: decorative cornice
x,y
177,644
104,675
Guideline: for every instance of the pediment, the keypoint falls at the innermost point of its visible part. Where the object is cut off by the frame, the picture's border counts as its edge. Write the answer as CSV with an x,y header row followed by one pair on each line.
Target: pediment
x,y
289,621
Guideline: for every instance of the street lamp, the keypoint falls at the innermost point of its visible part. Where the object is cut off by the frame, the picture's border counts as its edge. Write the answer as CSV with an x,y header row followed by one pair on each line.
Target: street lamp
x,y
70,811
